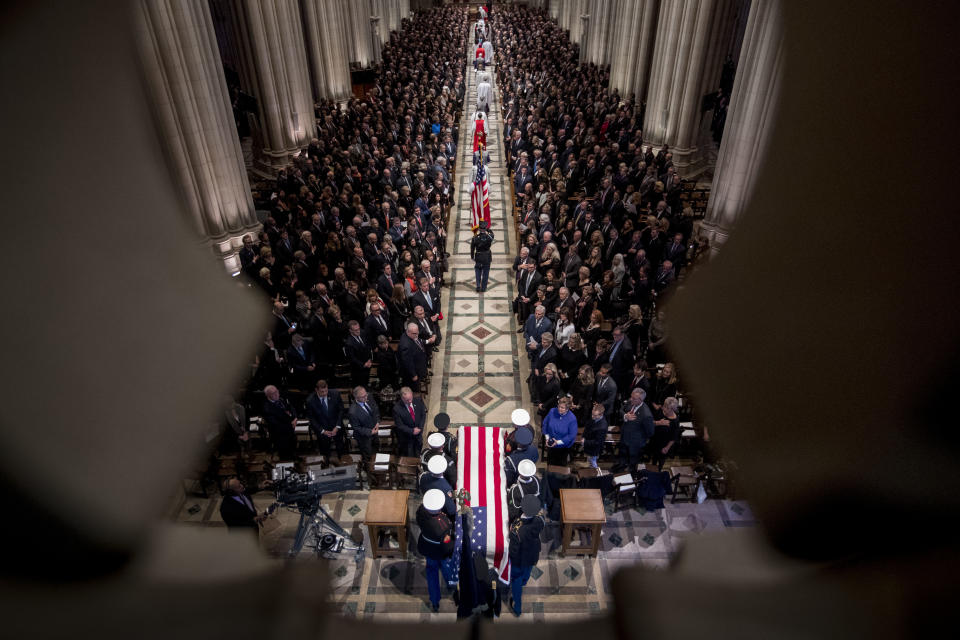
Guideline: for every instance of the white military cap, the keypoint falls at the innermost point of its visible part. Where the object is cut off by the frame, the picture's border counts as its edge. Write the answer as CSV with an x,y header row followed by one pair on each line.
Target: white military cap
x,y
433,500
437,464
435,440
520,417
526,468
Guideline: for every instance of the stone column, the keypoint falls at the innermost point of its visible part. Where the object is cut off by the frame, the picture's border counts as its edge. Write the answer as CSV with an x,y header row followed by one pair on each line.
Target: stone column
x,y
756,90
360,41
584,33
376,34
632,46
600,30
191,105
553,10
326,38
680,61
273,35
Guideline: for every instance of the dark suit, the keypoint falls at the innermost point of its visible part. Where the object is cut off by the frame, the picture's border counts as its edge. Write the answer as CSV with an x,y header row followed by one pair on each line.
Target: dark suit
x,y
358,352
527,288
326,416
543,357
301,361
413,361
621,359
374,327
635,433
606,395
279,420
410,444
422,299
363,421
237,513
531,330
571,269
434,330
385,286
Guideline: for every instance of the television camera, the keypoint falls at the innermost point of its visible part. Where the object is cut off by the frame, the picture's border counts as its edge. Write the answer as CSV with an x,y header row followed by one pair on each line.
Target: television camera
x,y
317,529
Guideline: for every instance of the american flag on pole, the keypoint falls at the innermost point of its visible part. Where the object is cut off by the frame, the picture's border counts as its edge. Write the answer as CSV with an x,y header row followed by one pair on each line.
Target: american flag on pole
x,y
480,473
480,196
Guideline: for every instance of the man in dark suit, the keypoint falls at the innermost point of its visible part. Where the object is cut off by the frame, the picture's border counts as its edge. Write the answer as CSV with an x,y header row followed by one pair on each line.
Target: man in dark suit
x,y
547,354
665,276
364,417
409,417
325,412
426,299
376,324
412,357
280,421
283,327
530,279
385,282
676,251
359,354
637,428
300,358
621,358
237,510
571,269
606,393
429,331
535,326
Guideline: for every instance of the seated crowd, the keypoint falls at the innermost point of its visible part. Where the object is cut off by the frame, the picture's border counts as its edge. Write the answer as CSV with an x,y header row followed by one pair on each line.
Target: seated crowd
x,y
602,241
352,256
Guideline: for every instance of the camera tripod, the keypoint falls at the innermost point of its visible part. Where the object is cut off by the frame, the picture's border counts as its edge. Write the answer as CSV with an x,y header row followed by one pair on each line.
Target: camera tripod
x,y
327,538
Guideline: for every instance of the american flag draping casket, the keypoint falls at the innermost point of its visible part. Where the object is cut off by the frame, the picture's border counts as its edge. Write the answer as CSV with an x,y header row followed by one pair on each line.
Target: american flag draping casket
x,y
480,473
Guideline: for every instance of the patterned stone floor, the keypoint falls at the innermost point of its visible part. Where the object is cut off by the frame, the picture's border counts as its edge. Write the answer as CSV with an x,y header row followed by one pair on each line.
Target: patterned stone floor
x,y
561,588
479,377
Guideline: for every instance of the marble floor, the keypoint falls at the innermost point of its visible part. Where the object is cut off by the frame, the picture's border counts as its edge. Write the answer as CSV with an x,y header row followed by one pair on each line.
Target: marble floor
x,y
479,376
571,587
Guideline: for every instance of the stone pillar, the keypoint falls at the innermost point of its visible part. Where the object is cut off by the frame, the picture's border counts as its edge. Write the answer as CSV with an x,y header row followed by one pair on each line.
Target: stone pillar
x,y
600,30
756,90
191,105
632,46
376,34
584,33
680,61
553,10
273,35
326,38
360,41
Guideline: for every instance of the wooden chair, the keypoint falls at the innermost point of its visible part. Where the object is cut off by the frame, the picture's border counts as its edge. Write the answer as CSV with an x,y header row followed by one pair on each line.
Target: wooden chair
x,y
626,488
685,479
408,473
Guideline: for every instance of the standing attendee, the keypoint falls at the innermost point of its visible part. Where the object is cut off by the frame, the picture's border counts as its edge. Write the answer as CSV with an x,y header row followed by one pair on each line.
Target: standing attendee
x,y
280,420
595,435
237,510
636,430
412,357
409,417
606,390
365,419
524,549
480,253
359,355
436,541
560,430
666,433
325,412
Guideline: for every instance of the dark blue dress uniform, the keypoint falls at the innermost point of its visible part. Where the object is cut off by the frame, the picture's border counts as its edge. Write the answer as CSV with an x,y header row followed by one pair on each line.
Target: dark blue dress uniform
x,y
436,542
521,448
450,474
524,548
429,481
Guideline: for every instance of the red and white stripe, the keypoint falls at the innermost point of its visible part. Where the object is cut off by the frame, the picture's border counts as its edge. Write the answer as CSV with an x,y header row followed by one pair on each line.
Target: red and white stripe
x,y
480,472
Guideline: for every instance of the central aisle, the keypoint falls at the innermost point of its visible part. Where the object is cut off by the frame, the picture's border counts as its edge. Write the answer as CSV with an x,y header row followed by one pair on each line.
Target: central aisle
x,y
479,378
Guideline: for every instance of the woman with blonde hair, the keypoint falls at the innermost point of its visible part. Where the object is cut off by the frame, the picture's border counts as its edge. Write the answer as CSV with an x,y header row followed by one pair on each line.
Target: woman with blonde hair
x,y
546,389
581,392
572,356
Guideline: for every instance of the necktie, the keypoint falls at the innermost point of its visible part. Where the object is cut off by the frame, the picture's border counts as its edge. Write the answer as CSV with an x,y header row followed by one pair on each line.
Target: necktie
x,y
324,401
365,407
412,414
382,323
